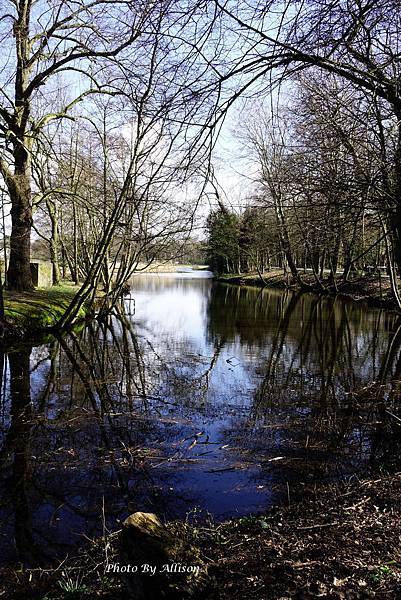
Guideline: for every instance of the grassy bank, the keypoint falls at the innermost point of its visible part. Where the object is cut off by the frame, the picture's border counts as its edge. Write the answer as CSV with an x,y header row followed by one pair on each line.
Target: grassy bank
x,y
372,290
31,312
342,543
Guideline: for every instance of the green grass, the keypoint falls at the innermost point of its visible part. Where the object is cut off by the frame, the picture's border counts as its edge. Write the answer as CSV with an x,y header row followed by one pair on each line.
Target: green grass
x,y
73,588
40,309
382,571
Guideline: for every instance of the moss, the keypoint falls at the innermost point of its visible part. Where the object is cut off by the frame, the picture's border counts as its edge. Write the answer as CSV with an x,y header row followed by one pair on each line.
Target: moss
x,y
40,309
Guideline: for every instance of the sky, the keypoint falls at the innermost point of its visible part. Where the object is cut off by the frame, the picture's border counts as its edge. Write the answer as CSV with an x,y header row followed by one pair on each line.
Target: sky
x,y
234,171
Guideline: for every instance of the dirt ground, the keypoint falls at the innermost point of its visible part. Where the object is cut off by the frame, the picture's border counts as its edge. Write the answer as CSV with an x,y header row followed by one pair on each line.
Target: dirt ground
x,y
343,543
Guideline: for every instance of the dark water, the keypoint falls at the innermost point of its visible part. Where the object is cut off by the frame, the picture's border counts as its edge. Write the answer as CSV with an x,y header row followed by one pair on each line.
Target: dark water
x,y
198,394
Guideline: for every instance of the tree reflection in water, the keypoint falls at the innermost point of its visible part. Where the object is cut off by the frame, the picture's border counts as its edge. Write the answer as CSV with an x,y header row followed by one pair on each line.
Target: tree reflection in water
x,y
211,396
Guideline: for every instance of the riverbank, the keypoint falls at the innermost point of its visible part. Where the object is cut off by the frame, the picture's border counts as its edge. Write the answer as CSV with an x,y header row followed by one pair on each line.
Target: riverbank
x,y
372,290
344,542
27,313
168,267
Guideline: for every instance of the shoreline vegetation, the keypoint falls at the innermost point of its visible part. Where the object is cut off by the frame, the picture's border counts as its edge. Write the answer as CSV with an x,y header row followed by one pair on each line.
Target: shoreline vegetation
x,y
30,313
27,314
342,542
375,291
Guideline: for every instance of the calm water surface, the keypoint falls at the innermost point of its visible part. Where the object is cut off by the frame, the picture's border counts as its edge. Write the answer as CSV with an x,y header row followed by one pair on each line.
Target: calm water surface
x,y
196,395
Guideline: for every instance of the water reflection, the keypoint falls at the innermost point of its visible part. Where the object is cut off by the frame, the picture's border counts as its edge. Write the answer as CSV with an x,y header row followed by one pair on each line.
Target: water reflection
x,y
192,394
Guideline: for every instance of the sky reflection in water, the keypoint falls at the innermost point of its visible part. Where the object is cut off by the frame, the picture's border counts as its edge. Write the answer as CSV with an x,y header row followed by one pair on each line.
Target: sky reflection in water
x,y
202,395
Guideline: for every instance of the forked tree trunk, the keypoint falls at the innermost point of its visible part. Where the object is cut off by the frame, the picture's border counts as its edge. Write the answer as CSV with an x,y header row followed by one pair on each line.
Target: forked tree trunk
x,y
285,239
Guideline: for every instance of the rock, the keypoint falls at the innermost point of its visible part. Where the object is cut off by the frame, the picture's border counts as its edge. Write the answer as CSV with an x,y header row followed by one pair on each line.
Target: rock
x,y
158,562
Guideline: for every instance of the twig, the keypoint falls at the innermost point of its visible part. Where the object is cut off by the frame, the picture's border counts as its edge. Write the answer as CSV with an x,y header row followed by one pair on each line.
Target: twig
x,y
392,415
319,526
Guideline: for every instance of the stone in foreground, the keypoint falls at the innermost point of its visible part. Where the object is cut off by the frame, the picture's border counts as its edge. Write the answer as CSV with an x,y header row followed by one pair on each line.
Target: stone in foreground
x,y
157,562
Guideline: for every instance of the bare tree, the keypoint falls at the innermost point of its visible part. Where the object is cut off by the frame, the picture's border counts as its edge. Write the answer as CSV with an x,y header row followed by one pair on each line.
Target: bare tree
x,y
50,44
268,43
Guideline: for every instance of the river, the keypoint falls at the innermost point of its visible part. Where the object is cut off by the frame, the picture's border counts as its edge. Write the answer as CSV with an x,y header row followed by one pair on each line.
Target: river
x,y
195,397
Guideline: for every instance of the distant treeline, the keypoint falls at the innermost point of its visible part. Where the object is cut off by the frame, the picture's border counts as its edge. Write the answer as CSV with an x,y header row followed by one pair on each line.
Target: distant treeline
x,y
325,172
252,241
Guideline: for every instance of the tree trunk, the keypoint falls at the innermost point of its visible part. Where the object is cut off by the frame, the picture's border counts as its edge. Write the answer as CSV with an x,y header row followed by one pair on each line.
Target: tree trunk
x,y
285,243
396,218
396,235
75,275
19,276
54,260
284,235
18,182
54,241
392,271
